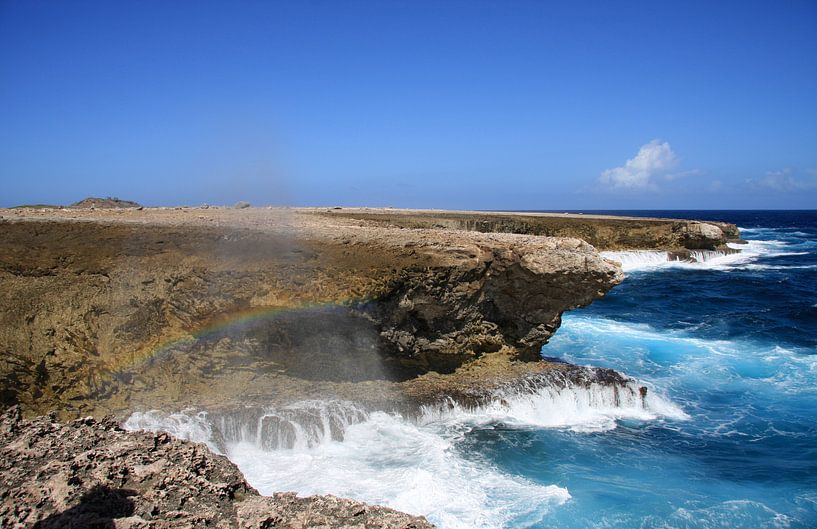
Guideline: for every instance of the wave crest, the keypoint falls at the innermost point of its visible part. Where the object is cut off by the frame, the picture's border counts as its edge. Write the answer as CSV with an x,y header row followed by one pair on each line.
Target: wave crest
x,y
411,464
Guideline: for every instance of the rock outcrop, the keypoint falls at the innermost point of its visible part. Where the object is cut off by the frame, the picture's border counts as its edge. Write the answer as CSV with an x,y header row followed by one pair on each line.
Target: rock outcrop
x,y
93,474
105,311
236,310
604,232
97,316
104,203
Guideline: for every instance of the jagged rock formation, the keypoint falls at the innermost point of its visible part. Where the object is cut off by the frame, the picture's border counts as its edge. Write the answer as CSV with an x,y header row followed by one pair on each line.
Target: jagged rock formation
x,y
92,474
603,232
96,315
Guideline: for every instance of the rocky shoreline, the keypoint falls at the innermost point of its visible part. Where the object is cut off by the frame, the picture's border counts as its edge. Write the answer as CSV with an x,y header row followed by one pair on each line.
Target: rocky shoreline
x,y
90,473
604,232
234,310
112,312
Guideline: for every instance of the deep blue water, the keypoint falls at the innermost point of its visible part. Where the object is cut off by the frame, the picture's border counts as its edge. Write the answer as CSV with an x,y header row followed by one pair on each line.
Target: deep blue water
x,y
735,346
728,348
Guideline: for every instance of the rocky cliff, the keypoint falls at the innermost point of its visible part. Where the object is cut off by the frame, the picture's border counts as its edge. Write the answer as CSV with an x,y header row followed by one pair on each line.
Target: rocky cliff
x,y
602,231
241,311
100,311
93,474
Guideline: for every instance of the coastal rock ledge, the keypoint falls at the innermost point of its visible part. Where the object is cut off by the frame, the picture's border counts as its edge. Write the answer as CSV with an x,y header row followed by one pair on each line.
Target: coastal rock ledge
x,y
121,310
93,474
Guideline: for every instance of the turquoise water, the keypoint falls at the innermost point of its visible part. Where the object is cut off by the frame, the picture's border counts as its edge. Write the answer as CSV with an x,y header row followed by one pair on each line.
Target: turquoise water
x,y
728,437
735,346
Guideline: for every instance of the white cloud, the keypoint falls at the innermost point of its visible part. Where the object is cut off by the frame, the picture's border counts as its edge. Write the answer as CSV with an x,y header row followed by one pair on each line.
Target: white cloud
x,y
653,159
783,180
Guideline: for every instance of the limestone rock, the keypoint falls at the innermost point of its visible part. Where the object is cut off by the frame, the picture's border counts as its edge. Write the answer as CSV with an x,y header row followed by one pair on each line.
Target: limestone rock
x,y
701,236
108,313
90,474
604,232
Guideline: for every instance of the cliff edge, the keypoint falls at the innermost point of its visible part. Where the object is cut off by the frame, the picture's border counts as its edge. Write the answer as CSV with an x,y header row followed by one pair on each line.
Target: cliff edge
x,y
239,312
106,311
604,232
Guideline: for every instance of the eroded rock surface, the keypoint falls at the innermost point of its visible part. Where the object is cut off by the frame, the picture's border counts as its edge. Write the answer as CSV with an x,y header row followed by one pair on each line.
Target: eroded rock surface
x,y
103,311
237,311
604,232
92,474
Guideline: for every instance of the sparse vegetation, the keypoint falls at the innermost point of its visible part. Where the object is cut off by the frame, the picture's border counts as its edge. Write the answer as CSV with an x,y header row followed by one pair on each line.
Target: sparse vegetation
x,y
107,202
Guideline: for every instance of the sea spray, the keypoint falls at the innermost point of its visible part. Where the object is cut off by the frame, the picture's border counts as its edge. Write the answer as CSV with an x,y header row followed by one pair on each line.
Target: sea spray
x,y
649,260
417,469
300,425
189,425
580,408
303,425
412,464
737,256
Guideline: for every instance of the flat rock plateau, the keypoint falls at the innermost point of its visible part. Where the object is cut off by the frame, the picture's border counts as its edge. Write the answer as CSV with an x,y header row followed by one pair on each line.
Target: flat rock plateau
x,y
110,311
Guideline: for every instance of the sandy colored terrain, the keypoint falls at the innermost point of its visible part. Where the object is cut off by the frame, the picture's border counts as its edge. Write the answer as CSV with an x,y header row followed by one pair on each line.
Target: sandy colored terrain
x,y
110,310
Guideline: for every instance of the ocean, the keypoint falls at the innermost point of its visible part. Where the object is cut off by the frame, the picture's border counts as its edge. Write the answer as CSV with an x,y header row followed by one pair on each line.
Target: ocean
x,y
728,349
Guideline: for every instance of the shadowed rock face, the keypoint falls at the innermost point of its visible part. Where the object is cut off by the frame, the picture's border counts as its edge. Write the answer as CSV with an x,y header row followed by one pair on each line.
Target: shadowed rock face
x,y
139,308
510,294
90,474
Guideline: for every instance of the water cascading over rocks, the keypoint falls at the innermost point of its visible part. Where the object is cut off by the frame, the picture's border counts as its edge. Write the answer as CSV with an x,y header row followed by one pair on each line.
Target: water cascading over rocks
x,y
285,332
90,473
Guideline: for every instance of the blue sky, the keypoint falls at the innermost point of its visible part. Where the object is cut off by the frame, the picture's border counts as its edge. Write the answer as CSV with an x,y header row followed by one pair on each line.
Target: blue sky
x,y
486,105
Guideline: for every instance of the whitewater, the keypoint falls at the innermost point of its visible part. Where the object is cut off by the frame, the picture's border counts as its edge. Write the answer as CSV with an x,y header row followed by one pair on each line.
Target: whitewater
x,y
411,464
726,436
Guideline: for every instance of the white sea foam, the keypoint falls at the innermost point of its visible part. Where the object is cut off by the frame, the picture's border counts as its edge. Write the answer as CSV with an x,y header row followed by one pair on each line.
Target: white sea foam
x,y
593,408
386,460
638,260
410,464
390,461
653,260
300,425
189,425
779,267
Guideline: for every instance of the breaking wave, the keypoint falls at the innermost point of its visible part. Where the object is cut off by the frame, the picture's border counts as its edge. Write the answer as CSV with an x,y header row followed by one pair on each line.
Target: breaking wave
x,y
740,256
411,464
646,259
594,408
734,350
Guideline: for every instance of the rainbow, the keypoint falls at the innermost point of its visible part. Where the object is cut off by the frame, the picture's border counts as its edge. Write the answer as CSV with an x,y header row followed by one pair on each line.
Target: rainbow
x,y
234,320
